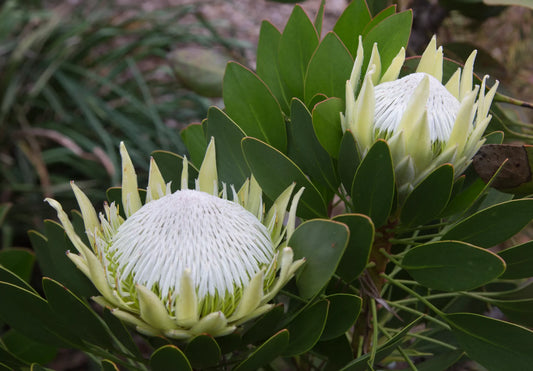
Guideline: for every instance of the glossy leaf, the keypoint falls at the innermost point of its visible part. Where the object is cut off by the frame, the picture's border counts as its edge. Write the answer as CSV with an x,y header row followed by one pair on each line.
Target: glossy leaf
x,y
296,46
169,358
493,225
349,160
373,191
275,172
171,166
327,124
452,265
264,327
429,198
303,336
231,165
338,352
7,276
495,344
203,352
267,62
51,254
391,34
19,261
194,138
76,314
343,312
27,349
120,332
519,260
351,23
322,243
305,150
252,106
357,252
329,68
267,352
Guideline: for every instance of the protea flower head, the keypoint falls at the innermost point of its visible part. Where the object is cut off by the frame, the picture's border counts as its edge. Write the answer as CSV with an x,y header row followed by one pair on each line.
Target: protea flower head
x,y
425,123
189,262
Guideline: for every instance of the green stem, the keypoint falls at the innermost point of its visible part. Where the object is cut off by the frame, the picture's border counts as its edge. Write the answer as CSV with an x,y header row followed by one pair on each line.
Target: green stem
x,y
428,339
517,102
375,332
415,294
417,312
412,240
389,256
428,297
400,349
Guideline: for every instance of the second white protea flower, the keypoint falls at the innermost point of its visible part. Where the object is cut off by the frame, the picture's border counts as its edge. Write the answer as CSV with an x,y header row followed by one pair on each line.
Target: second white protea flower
x,y
189,262
425,123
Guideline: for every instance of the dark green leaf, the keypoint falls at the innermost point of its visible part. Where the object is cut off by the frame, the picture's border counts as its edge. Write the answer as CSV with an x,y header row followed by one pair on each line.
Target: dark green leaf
x,y
267,62
357,252
51,254
328,70
171,166
76,314
7,276
264,327
349,160
9,362
120,332
391,34
169,358
379,17
429,198
19,261
304,336
373,191
275,172
203,352
439,362
252,106
320,17
343,312
322,243
495,344
296,46
493,225
519,260
305,150
231,165
108,365
338,352
518,311
327,124
452,265
267,352
464,198
351,24
27,349
194,138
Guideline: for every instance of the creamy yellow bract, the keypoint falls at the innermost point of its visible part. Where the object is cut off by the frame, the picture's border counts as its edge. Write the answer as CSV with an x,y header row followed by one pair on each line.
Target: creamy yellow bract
x,y
189,262
425,123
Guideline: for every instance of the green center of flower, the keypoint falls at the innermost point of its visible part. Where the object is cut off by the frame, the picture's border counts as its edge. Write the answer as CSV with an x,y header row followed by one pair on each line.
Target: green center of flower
x,y
392,99
222,244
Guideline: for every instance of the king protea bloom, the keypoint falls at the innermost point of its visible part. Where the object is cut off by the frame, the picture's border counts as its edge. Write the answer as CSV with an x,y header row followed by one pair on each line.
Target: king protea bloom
x,y
425,123
189,262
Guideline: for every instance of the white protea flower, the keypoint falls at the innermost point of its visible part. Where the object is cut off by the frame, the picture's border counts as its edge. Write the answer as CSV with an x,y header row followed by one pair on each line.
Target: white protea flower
x,y
187,262
425,123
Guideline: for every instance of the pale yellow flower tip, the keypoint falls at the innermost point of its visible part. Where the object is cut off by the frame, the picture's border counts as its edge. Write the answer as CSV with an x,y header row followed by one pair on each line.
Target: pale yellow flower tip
x,y
90,218
291,222
276,214
251,297
185,174
415,108
131,200
355,76
152,310
453,83
213,324
395,67
207,177
375,64
463,122
187,311
364,113
467,76
156,183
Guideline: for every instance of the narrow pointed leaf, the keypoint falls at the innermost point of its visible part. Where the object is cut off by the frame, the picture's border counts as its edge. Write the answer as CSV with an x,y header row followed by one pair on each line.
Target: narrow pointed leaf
x,y
252,106
108,365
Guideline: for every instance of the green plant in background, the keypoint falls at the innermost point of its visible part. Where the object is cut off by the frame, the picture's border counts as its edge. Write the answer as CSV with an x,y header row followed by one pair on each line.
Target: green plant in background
x,y
74,83
395,277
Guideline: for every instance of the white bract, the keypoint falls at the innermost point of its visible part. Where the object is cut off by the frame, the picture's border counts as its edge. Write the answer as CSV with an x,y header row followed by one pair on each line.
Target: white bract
x,y
187,262
425,123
